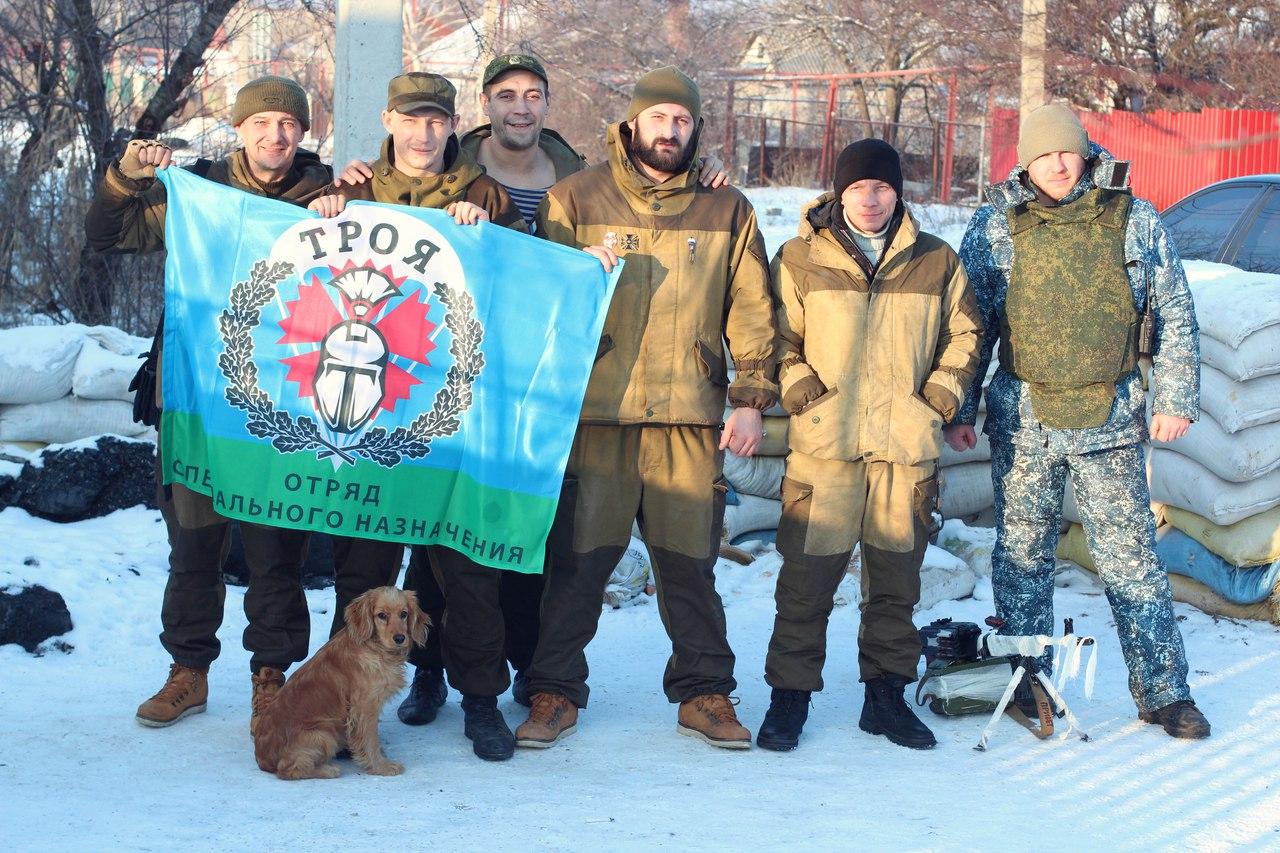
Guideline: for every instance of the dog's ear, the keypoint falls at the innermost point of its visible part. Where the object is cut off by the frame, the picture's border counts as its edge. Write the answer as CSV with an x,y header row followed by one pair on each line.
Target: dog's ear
x,y
418,620
359,615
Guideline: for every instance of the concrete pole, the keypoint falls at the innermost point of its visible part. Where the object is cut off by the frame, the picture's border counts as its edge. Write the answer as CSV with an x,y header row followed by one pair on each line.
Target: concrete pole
x,y
1033,48
369,52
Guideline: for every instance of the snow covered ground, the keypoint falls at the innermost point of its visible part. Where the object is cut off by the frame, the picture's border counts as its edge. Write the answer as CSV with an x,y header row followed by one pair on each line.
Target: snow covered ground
x,y
77,772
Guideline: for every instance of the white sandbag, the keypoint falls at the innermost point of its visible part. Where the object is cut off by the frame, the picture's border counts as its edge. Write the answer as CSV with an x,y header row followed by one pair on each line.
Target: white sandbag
x,y
980,452
1239,405
965,490
101,374
1246,455
751,513
1183,482
1257,355
68,419
1232,304
36,362
758,475
630,577
1254,541
1070,509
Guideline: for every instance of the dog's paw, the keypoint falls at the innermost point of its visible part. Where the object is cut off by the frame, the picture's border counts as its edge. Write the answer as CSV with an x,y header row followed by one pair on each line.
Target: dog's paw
x,y
386,768
328,771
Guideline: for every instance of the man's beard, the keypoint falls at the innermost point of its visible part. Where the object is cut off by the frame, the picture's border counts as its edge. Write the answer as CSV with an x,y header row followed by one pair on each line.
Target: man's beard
x,y
672,163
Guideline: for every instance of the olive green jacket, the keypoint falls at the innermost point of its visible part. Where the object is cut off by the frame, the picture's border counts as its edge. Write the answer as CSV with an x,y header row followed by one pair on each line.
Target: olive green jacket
x,y
695,275
565,160
127,215
462,180
872,369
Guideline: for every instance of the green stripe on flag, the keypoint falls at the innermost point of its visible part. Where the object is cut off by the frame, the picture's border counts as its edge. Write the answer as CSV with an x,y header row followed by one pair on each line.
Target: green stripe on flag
x,y
252,481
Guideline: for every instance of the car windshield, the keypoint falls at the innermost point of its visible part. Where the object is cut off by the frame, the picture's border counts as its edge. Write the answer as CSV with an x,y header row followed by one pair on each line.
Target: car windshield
x,y
1202,223
1260,249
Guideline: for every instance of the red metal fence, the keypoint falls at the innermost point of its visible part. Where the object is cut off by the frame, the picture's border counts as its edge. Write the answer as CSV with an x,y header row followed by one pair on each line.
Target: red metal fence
x,y
1173,154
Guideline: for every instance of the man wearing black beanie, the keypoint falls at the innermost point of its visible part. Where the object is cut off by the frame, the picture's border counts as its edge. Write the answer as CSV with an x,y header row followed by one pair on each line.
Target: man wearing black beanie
x,y
878,342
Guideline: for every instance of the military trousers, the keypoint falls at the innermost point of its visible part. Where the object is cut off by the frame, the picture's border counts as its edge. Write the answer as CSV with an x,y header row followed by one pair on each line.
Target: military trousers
x,y
364,564
668,479
279,628
1115,506
828,506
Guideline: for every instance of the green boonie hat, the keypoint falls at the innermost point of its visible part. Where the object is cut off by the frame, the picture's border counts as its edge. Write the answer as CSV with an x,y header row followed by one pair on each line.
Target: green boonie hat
x,y
513,62
418,90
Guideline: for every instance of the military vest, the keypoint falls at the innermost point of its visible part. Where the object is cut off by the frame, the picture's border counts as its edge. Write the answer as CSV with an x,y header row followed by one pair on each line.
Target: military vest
x,y
1069,325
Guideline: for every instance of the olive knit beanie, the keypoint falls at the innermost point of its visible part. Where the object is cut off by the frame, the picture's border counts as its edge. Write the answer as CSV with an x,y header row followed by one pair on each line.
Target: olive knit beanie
x,y
271,94
667,85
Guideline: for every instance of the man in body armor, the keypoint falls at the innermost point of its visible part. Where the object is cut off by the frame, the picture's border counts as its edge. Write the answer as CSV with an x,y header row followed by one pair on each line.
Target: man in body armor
x,y
270,116
1065,262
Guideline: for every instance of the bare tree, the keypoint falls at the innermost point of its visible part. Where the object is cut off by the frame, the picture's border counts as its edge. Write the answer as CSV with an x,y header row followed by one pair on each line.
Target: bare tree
x,y
1166,54
61,80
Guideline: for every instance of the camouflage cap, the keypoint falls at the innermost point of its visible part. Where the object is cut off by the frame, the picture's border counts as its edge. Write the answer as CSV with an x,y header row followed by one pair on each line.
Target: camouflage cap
x,y
513,62
419,90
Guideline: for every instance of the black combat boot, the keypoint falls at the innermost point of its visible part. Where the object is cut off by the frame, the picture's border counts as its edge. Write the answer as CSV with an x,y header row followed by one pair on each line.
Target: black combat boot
x,y
885,712
426,696
788,710
491,738
1180,719
520,689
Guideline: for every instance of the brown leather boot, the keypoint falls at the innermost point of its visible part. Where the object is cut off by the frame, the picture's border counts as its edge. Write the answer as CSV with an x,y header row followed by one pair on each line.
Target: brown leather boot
x,y
266,684
551,717
186,692
711,718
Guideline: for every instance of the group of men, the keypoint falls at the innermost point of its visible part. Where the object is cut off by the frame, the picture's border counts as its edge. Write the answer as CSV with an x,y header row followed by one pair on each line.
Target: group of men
x,y
872,334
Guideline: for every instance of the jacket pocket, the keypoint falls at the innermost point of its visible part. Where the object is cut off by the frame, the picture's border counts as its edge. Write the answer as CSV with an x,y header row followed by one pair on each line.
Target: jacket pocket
x,y
818,401
711,362
914,430
817,429
924,500
719,497
797,498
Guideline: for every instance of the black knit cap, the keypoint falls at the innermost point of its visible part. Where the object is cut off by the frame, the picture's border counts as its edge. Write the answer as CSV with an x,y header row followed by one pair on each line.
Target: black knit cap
x,y
868,158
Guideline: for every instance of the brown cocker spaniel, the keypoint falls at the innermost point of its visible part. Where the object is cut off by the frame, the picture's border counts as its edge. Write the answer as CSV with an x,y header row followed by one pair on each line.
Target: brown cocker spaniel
x,y
333,700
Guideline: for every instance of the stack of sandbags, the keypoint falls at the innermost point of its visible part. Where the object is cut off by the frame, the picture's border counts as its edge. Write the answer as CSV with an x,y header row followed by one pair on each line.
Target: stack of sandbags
x,y
965,490
60,384
1221,481
964,479
754,504
1197,576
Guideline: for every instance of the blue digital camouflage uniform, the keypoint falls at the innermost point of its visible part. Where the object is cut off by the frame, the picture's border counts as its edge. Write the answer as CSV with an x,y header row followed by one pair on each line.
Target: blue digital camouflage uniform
x,y
1030,461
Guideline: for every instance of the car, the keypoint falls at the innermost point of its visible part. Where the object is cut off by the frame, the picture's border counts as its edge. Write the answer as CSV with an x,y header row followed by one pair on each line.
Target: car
x,y
1234,222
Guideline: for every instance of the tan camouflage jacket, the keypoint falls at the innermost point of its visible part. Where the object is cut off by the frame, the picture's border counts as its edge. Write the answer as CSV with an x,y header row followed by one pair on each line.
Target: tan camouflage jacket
x,y
695,275
872,368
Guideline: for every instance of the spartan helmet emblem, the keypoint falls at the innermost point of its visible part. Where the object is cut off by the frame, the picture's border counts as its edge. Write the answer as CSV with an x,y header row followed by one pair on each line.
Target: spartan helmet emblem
x,y
350,380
